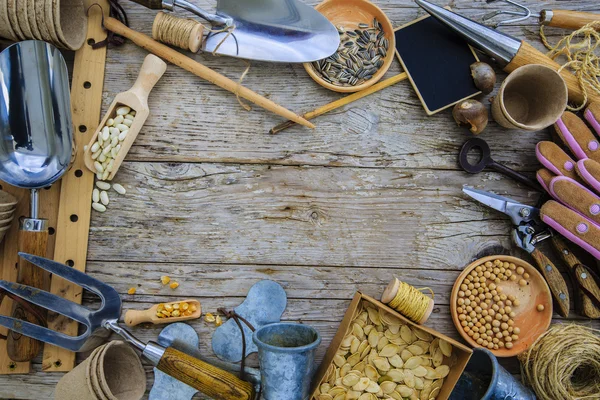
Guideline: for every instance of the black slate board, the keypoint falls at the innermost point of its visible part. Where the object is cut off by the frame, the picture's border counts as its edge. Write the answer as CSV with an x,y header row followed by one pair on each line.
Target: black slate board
x,y
437,62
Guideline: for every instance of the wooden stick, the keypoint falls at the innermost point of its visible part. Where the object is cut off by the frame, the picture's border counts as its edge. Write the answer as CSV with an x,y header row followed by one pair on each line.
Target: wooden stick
x,y
343,101
200,70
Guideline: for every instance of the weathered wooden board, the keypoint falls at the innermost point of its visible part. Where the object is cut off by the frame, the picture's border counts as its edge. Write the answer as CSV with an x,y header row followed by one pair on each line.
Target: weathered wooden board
x,y
217,204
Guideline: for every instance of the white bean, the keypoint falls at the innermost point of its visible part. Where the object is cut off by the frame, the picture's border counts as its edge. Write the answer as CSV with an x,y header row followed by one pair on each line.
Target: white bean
x,y
115,141
123,110
98,167
123,135
95,195
119,189
95,147
100,141
110,122
122,127
96,154
98,175
101,158
129,117
106,133
118,120
103,185
114,131
114,152
104,198
132,113
98,207
128,122
110,165
105,175
107,149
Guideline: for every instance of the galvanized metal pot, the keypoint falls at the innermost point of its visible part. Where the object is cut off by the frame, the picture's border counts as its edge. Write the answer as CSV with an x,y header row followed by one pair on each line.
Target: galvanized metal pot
x,y
483,378
286,353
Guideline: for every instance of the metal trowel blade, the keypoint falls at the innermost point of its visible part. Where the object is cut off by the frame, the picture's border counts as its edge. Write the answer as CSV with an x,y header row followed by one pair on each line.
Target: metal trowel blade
x,y
273,30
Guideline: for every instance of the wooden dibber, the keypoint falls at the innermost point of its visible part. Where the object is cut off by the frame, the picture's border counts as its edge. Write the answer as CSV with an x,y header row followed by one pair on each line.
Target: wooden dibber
x,y
136,317
200,70
135,98
343,101
390,293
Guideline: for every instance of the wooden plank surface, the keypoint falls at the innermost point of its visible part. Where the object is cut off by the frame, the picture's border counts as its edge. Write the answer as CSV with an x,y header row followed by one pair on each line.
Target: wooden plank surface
x,y
217,204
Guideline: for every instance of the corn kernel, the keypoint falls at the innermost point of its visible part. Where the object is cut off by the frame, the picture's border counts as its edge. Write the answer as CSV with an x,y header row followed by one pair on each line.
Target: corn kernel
x,y
187,313
176,306
160,307
166,313
209,317
218,321
193,307
159,314
131,291
169,307
165,280
175,313
174,285
184,306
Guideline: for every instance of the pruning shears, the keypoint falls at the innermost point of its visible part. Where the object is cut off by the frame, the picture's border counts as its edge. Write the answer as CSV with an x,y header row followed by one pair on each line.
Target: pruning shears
x,y
529,230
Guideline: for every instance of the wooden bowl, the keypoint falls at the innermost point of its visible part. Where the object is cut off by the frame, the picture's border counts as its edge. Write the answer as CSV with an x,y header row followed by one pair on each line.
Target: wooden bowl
x,y
349,13
531,321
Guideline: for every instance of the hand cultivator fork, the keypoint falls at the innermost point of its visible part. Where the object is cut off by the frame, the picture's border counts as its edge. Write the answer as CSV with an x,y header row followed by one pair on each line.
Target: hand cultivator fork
x,y
100,323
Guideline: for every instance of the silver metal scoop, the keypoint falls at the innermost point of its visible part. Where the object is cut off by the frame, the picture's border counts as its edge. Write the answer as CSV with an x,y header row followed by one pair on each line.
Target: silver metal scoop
x,y
35,117
35,151
265,30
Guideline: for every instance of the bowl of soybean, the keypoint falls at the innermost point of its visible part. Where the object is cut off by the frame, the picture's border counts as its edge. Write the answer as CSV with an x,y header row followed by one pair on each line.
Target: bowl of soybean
x,y
511,279
367,46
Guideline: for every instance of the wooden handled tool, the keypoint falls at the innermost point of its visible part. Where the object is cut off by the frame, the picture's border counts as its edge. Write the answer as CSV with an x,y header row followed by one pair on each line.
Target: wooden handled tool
x,y
20,347
200,70
555,281
136,317
343,101
136,99
566,19
582,276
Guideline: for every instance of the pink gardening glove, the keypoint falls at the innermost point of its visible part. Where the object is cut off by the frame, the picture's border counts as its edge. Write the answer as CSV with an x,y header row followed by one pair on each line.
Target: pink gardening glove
x,y
575,185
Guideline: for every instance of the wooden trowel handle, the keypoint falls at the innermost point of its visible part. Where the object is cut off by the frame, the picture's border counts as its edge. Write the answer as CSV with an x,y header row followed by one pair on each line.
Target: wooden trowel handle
x,y
566,19
151,4
22,348
208,379
152,70
136,317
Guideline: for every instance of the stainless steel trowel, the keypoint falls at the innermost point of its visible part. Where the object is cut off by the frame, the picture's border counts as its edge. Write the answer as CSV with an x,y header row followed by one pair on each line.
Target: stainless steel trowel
x,y
266,30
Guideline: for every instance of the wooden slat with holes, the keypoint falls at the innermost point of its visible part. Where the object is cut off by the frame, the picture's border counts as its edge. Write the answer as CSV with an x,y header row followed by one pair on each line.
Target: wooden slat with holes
x,y
77,184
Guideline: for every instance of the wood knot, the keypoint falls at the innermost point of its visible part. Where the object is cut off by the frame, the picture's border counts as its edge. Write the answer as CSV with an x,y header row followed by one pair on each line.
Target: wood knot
x,y
316,216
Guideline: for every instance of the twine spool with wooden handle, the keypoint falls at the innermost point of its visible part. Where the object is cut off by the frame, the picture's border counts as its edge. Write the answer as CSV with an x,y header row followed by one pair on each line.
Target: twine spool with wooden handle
x,y
180,32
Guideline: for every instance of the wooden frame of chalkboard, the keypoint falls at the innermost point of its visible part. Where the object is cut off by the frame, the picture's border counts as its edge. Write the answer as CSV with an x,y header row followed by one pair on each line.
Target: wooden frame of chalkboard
x,y
434,58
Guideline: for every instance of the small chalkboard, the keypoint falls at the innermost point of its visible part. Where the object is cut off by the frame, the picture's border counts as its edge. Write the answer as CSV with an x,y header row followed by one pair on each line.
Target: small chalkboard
x,y
437,62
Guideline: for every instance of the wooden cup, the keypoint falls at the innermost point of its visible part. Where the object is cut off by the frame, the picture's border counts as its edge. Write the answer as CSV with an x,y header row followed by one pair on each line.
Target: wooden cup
x,y
531,98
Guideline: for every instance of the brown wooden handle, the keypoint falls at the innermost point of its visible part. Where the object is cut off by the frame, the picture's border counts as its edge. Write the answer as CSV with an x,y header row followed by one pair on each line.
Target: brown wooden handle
x,y
152,70
151,4
200,70
566,19
209,380
582,276
555,281
136,317
527,54
19,347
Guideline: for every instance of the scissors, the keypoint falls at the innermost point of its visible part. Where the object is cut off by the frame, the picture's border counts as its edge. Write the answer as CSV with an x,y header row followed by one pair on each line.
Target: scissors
x,y
486,161
528,231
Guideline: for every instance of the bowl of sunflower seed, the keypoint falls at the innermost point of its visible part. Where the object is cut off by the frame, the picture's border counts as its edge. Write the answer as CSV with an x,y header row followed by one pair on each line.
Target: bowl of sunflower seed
x,y
366,49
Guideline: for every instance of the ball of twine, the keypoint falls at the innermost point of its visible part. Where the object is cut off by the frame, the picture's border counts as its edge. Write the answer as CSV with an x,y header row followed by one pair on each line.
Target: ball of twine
x,y
564,363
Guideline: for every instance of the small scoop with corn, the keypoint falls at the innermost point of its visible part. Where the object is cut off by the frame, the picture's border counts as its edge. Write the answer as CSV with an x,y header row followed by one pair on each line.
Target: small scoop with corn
x,y
165,313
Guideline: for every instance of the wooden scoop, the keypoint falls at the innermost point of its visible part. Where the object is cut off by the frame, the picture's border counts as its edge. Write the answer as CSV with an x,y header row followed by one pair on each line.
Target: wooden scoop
x,y
135,98
135,317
